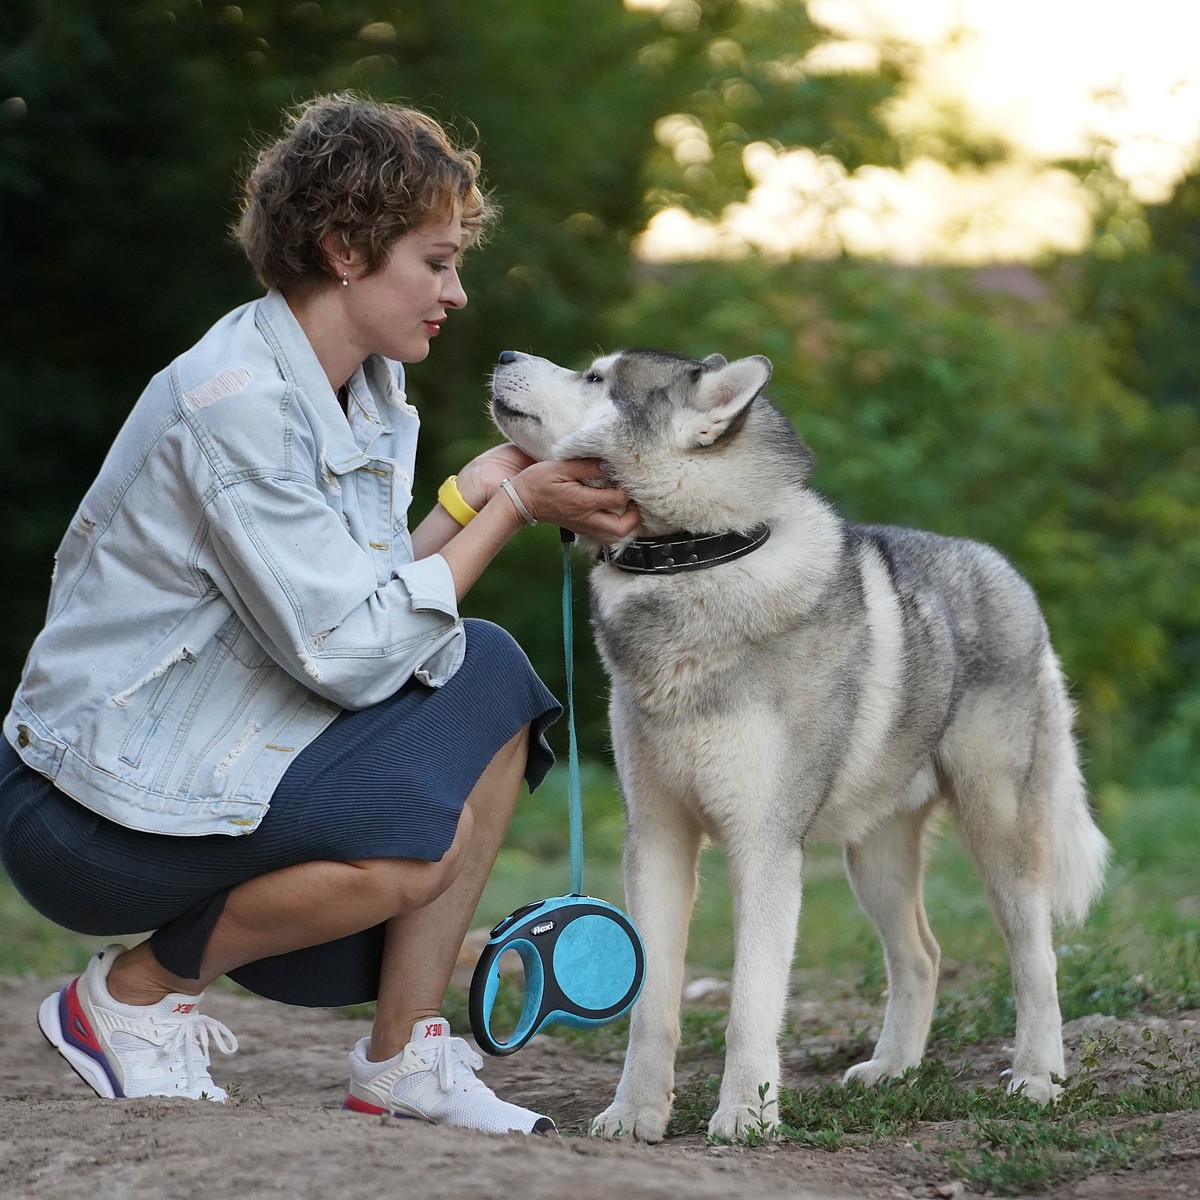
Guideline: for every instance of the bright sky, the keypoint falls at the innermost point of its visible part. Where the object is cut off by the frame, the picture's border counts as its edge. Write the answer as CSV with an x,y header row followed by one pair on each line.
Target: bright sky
x,y
1049,76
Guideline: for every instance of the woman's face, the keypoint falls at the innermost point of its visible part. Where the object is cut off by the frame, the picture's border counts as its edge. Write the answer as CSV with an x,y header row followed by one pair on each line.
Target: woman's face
x,y
397,310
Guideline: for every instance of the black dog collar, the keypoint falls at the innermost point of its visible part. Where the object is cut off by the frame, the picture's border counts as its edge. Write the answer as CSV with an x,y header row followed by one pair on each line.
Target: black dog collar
x,y
670,553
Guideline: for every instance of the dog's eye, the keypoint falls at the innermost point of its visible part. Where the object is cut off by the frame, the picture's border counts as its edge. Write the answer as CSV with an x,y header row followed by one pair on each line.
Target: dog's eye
x,y
593,377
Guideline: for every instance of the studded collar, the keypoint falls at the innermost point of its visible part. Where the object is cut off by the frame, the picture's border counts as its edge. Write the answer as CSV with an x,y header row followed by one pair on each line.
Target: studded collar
x,y
671,553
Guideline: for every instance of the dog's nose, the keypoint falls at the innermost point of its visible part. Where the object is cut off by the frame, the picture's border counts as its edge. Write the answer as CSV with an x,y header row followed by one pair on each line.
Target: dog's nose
x,y
507,356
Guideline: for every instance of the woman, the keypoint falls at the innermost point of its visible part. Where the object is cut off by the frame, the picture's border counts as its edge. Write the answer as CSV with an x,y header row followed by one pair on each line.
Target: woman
x,y
254,722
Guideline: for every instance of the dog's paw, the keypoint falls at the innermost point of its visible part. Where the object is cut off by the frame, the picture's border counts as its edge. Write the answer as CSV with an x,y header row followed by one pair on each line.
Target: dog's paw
x,y
1041,1089
626,1121
873,1071
745,1123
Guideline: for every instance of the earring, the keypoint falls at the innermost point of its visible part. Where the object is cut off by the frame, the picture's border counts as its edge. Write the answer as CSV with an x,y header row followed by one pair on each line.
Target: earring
x,y
345,280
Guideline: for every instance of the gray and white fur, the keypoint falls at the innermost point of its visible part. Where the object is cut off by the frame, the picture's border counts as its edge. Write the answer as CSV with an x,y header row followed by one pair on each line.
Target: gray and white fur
x,y
836,684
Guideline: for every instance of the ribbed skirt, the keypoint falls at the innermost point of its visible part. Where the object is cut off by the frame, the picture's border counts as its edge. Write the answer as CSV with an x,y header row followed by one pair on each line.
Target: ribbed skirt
x,y
388,781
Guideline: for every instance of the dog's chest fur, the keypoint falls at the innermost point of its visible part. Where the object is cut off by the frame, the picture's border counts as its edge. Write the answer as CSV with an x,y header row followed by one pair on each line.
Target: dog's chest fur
x,y
792,666
687,644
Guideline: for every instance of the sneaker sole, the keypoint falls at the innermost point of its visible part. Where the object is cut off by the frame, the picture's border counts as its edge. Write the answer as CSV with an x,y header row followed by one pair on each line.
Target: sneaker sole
x,y
543,1125
84,1065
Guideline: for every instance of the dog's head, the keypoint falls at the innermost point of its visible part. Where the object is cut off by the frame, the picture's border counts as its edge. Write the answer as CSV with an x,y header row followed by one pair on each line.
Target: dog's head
x,y
669,427
648,399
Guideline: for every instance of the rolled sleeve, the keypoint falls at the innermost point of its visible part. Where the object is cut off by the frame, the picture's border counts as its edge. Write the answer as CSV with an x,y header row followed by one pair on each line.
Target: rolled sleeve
x,y
430,585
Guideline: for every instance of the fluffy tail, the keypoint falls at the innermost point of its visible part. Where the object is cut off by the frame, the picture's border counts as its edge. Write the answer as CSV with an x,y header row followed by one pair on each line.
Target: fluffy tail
x,y
1081,854
1081,851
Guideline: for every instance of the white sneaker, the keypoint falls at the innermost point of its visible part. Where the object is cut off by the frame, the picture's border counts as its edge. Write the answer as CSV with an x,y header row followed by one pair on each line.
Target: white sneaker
x,y
124,1050
433,1079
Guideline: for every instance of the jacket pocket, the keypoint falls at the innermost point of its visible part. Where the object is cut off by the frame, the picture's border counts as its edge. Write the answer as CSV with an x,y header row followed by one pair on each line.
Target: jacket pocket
x,y
242,644
155,692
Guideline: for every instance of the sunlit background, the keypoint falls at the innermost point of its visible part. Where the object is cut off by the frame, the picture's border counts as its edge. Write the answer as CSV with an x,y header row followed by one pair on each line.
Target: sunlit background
x,y
1048,79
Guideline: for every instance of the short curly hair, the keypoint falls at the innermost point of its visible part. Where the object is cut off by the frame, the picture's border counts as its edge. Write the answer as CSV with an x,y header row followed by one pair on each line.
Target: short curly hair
x,y
364,171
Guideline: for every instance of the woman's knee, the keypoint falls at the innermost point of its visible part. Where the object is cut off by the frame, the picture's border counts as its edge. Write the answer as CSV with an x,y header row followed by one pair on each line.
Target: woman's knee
x,y
498,649
407,884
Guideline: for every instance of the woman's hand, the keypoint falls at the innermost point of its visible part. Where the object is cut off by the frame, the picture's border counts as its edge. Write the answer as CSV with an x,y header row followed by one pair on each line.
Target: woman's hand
x,y
571,493
568,492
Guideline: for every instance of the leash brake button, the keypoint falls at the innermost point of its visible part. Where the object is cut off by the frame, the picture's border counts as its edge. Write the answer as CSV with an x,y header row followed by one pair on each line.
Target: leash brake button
x,y
513,918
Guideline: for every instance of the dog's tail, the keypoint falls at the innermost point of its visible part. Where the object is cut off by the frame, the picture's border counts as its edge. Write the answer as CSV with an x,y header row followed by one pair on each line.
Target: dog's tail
x,y
1081,851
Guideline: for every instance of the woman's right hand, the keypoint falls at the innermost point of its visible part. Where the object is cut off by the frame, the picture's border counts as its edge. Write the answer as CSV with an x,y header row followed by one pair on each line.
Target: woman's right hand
x,y
573,493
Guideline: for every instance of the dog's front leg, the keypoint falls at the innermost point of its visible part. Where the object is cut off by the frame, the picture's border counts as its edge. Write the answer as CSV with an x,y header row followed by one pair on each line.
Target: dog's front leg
x,y
661,849
766,879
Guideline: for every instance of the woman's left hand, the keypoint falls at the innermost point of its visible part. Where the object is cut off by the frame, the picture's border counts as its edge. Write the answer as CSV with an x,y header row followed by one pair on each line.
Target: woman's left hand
x,y
574,493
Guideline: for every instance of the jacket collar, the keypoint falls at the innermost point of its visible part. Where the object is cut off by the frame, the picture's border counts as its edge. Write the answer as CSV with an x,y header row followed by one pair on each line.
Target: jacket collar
x,y
378,378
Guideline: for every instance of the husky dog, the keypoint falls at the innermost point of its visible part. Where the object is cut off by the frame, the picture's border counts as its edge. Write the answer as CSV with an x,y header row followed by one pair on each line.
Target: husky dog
x,y
781,676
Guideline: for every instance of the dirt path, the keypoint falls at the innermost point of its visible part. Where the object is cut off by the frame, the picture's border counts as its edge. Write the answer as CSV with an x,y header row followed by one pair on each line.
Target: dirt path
x,y
285,1134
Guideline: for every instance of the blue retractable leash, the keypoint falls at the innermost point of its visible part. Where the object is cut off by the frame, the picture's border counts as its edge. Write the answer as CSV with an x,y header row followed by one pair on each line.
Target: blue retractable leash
x,y
583,959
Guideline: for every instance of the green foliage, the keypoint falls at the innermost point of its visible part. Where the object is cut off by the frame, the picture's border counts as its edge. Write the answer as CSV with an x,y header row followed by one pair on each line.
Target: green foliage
x,y
1065,432
115,209
1092,979
1140,283
1013,1158
748,82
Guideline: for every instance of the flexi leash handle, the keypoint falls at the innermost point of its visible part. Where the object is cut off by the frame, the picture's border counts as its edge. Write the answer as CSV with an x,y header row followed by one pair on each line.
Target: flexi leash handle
x,y
584,964
583,959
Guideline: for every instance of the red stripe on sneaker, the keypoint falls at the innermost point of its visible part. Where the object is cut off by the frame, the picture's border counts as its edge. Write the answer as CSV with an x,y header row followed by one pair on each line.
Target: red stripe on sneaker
x,y
354,1104
79,1028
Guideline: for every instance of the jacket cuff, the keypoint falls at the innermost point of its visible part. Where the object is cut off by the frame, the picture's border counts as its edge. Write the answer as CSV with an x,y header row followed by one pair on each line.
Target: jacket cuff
x,y
430,585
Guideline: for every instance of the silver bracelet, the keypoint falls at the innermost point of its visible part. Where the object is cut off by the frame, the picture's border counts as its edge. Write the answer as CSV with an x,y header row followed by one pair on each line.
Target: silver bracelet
x,y
526,515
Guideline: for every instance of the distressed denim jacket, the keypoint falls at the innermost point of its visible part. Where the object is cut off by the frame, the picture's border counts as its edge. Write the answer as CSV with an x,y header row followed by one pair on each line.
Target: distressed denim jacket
x,y
239,573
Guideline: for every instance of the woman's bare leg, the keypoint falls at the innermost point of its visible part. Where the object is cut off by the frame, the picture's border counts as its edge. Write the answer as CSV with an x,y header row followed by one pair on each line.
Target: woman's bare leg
x,y
421,947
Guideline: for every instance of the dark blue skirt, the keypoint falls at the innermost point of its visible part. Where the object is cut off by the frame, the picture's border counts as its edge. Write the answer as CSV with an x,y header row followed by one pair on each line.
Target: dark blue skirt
x,y
388,781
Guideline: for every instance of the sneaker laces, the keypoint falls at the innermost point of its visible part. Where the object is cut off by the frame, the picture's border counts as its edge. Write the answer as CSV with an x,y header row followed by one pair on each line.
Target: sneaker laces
x,y
189,1041
455,1063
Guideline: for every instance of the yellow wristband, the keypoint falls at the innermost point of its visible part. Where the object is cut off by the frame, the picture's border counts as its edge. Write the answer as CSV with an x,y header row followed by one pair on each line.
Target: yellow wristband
x,y
451,499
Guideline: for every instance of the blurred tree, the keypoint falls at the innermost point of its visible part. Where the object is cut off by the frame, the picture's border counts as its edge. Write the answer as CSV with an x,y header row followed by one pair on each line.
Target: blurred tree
x,y
123,125
1064,433
1139,284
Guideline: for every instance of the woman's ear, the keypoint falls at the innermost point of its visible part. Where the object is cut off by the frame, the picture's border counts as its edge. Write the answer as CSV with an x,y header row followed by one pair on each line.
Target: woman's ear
x,y
342,259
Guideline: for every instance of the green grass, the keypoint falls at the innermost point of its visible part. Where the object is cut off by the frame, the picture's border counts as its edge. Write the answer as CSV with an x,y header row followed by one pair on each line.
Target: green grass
x,y
31,945
1114,963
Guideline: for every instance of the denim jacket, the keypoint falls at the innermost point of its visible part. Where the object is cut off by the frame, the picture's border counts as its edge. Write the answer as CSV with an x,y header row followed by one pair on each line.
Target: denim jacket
x,y
240,572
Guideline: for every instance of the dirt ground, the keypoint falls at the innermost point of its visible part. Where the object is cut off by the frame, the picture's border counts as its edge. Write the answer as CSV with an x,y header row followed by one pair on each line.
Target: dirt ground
x,y
285,1134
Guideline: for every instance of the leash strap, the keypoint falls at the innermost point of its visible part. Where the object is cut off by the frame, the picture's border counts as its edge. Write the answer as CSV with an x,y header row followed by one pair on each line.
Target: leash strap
x,y
583,959
574,796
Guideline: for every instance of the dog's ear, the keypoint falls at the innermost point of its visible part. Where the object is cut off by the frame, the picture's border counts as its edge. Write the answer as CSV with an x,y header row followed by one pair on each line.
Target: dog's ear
x,y
724,393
